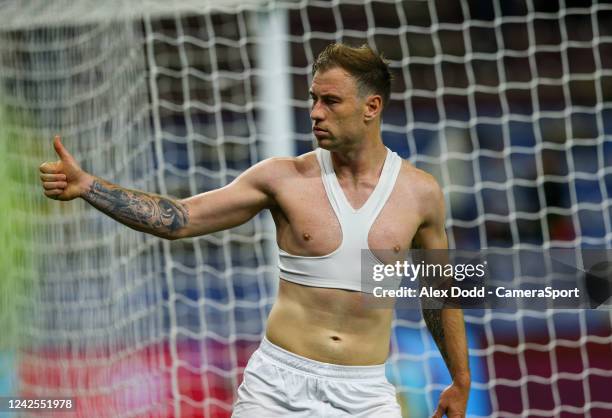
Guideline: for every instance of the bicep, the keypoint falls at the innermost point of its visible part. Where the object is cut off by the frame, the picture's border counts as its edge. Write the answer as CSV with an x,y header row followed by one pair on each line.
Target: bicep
x,y
228,206
431,234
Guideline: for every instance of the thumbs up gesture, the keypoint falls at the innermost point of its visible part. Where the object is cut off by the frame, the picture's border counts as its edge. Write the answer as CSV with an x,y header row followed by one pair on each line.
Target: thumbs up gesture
x,y
63,179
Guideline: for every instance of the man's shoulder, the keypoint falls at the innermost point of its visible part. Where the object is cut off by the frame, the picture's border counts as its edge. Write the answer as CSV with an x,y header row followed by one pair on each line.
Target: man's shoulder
x,y
278,169
287,165
418,181
423,189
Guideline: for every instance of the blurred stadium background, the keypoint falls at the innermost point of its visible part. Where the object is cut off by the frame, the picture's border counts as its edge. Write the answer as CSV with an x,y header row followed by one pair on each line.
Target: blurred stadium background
x,y
507,102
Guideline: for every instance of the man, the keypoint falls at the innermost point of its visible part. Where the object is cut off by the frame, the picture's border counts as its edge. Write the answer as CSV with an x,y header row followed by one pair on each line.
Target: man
x,y
324,352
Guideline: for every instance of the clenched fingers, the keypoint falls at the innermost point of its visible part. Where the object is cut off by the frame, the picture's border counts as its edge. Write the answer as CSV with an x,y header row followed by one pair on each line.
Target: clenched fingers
x,y
53,177
49,168
50,185
54,192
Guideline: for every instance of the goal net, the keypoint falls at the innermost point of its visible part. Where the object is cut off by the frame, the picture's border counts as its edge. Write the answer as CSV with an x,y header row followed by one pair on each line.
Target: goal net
x,y
506,103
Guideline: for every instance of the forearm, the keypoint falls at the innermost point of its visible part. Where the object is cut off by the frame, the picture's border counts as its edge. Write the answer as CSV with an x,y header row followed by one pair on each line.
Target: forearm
x,y
448,330
146,212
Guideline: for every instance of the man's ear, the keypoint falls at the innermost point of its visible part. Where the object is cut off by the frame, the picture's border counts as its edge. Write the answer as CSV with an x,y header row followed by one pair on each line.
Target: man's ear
x,y
373,107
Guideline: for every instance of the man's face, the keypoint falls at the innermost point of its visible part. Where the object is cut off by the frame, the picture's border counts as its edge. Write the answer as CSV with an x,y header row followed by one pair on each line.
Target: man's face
x,y
337,109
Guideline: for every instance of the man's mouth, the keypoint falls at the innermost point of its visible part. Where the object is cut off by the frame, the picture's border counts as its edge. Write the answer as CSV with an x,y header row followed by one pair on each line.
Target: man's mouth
x,y
320,133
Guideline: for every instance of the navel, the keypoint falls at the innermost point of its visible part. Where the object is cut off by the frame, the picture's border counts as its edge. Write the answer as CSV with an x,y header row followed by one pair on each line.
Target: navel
x,y
306,236
397,248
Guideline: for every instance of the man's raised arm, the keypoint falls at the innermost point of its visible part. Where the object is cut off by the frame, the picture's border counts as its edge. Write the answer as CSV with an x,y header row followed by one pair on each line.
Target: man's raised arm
x,y
165,217
445,325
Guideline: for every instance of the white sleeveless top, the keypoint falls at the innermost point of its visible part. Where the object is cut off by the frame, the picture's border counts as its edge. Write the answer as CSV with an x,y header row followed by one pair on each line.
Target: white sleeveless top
x,y
341,269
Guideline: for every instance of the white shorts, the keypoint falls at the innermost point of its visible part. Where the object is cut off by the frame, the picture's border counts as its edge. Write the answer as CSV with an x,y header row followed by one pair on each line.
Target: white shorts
x,y
278,383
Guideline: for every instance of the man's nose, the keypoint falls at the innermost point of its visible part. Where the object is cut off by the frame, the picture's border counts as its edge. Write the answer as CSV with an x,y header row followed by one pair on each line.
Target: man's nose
x,y
316,113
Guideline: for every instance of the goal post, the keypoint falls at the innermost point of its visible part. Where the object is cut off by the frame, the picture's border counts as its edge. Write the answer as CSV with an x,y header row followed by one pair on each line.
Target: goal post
x,y
506,103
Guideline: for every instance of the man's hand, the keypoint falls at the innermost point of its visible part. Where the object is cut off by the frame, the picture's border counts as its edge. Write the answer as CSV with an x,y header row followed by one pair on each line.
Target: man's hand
x,y
453,401
63,179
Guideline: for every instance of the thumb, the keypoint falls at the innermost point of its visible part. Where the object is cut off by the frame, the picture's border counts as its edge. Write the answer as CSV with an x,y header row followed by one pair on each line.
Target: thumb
x,y
61,151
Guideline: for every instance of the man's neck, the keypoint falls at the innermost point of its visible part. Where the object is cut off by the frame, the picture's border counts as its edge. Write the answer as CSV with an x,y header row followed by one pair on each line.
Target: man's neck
x,y
363,161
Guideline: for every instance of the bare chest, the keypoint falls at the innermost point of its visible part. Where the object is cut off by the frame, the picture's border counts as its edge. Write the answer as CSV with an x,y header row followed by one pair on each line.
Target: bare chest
x,y
308,225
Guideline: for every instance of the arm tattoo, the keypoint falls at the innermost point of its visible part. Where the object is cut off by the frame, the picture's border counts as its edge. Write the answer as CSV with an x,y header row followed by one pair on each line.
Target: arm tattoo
x,y
433,319
142,211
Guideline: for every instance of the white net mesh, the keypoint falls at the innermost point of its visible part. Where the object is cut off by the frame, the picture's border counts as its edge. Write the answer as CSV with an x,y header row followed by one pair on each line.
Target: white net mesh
x,y
505,102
